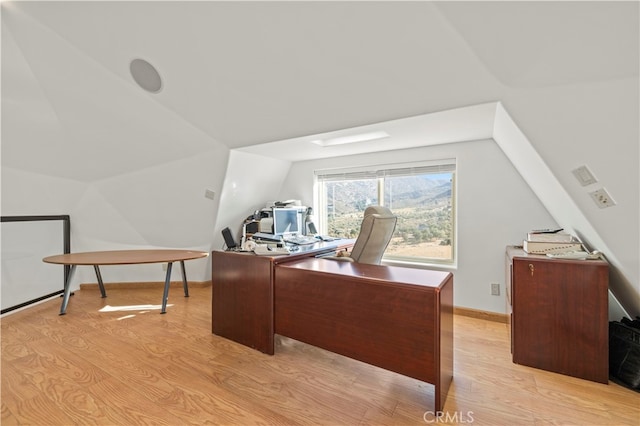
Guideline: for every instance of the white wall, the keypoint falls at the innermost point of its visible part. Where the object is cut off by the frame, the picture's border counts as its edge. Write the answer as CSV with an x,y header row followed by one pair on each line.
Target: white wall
x,y
565,211
495,208
251,181
596,125
157,207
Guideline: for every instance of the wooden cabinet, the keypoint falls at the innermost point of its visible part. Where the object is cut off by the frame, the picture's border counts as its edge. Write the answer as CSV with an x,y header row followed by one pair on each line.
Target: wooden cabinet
x,y
559,314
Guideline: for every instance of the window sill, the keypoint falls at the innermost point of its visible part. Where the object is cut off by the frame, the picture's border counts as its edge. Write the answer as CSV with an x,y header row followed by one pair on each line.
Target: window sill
x,y
420,265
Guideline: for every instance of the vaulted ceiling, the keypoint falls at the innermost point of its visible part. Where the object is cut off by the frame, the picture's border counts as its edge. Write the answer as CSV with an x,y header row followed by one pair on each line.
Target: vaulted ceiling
x,y
245,73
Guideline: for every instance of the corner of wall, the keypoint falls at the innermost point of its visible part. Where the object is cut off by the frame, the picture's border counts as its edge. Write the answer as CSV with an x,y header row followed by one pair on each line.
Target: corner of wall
x,y
250,181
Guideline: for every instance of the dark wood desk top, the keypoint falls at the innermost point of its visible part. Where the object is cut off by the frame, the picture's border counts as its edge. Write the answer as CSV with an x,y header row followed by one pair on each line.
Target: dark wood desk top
x,y
124,257
385,274
301,251
320,246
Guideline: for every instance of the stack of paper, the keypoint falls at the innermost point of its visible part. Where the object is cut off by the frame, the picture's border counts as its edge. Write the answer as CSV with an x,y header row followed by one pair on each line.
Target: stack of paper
x,y
265,250
551,242
558,237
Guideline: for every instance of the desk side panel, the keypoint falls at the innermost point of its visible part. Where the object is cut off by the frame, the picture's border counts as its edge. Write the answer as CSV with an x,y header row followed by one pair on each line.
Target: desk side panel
x,y
393,327
445,342
242,299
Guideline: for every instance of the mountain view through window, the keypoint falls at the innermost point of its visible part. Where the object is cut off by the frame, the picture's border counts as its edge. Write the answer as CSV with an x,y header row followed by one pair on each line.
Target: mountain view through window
x,y
423,203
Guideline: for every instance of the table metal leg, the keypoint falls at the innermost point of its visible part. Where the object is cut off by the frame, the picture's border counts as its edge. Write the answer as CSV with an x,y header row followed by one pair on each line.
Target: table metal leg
x,y
67,290
167,283
100,283
184,279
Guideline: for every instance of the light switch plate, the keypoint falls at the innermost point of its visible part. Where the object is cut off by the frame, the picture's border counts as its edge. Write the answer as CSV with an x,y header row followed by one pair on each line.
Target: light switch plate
x,y
584,176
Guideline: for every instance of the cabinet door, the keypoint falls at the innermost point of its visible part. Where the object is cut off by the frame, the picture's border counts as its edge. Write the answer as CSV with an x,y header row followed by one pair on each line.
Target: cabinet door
x,y
560,316
535,313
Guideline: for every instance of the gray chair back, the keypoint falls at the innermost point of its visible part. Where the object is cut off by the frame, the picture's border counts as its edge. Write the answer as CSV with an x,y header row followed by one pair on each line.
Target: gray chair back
x,y
375,234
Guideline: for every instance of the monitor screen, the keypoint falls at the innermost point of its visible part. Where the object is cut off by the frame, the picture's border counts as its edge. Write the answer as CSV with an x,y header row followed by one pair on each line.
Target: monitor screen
x,y
286,221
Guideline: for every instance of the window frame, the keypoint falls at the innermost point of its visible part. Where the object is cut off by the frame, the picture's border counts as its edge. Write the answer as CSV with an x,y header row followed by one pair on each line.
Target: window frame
x,y
380,172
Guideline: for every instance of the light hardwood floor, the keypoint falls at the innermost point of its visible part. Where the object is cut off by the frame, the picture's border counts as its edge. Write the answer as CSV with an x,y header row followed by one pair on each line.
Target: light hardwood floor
x,y
129,367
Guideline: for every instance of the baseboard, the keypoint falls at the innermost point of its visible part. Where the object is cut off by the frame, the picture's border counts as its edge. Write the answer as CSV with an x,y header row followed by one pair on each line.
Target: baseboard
x,y
485,315
149,284
467,312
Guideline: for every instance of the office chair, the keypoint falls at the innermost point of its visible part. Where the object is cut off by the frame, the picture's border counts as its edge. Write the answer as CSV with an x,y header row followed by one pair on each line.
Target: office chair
x,y
375,233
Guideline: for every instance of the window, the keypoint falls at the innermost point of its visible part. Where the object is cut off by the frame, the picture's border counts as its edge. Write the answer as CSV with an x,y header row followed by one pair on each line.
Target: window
x,y
421,195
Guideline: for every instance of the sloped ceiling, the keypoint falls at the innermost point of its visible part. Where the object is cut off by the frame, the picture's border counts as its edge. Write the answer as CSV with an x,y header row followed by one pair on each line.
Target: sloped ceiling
x,y
243,73
240,72
529,44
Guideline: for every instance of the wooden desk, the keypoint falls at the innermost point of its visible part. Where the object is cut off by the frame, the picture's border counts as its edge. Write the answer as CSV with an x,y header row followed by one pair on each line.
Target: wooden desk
x,y
124,257
400,319
242,294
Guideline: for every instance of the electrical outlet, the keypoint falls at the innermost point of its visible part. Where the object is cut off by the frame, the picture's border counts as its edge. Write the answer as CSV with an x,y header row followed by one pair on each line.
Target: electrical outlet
x,y
209,194
495,289
602,198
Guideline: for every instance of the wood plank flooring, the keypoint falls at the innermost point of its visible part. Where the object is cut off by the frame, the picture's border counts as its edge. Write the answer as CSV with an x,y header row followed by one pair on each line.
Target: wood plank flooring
x,y
129,367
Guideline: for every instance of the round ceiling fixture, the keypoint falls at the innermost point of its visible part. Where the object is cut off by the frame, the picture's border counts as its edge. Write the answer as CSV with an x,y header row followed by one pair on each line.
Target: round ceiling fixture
x,y
146,75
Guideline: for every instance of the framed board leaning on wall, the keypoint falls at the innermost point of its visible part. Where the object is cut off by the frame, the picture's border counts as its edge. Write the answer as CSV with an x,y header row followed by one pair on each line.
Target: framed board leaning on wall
x,y
25,241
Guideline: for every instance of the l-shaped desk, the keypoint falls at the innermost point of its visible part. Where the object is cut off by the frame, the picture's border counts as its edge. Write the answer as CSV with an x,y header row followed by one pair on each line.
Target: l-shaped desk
x,y
400,319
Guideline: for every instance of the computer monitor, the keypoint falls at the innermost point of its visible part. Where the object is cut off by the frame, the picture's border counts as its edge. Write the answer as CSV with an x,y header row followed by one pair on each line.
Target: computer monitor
x,y
286,221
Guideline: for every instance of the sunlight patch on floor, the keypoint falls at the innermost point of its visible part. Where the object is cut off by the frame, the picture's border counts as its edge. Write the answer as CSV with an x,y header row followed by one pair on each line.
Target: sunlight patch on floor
x,y
142,308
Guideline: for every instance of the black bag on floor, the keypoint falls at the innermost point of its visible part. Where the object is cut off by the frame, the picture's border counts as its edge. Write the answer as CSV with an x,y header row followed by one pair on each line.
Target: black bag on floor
x,y
624,352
